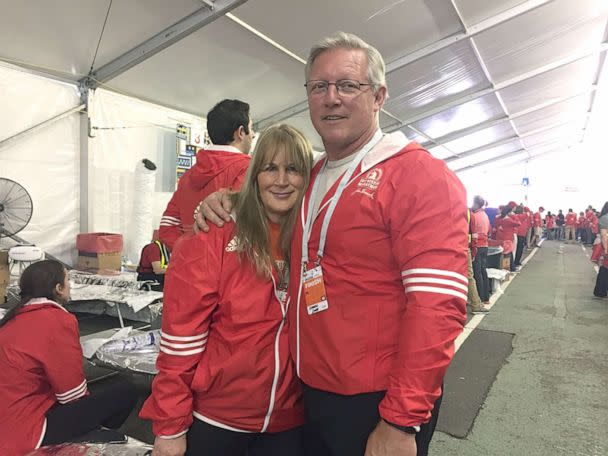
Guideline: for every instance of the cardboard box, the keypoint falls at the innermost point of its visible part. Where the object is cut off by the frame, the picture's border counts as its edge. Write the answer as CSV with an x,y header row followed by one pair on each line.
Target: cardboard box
x,y
95,260
99,242
5,274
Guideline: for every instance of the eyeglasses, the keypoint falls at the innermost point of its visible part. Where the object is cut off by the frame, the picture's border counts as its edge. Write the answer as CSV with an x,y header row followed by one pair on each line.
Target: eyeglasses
x,y
343,86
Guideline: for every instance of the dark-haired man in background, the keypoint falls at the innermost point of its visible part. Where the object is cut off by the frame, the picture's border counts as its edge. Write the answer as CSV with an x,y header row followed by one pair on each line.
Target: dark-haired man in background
x,y
222,165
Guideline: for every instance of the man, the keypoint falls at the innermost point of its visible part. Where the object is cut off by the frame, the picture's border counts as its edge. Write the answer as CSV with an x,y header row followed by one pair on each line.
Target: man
x,y
521,232
222,165
153,263
560,220
571,225
581,228
480,230
378,295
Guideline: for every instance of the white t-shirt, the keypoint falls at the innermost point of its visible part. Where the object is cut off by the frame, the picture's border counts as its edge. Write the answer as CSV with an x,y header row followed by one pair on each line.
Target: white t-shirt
x,y
333,170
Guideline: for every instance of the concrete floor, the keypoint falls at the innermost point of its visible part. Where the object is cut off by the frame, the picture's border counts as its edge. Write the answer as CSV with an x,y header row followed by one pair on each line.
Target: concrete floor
x,y
551,396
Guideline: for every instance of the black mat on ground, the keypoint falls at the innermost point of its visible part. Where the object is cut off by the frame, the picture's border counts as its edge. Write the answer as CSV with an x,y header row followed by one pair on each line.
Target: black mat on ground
x,y
469,379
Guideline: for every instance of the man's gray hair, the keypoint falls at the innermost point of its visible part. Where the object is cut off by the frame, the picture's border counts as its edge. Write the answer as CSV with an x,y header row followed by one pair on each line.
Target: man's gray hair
x,y
375,63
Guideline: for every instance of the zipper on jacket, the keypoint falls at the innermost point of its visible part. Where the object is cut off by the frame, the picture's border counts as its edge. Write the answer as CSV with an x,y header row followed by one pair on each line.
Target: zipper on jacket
x,y
277,360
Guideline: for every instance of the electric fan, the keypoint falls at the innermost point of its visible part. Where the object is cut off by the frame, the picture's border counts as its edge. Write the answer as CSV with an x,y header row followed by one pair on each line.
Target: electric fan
x,y
15,207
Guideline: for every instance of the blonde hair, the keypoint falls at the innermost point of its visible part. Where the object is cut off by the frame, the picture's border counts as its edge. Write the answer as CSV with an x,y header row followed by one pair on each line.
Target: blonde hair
x,y
376,70
251,222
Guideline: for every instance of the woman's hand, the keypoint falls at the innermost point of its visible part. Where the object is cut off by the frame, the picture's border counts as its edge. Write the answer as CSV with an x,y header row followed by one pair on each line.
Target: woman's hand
x,y
170,447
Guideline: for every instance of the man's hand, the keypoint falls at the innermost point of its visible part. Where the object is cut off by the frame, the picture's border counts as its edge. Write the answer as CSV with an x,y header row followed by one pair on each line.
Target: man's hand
x,y
170,447
215,209
389,441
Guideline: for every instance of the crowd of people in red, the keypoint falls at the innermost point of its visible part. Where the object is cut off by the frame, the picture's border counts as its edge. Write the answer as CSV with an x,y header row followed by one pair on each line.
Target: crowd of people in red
x,y
515,227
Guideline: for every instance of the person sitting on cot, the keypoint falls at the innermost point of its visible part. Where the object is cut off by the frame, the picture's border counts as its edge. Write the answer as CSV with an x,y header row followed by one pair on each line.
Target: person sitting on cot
x,y
43,390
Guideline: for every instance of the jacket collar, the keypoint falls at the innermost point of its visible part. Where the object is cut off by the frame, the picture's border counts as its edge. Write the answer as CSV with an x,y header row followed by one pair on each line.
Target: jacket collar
x,y
222,148
389,145
43,301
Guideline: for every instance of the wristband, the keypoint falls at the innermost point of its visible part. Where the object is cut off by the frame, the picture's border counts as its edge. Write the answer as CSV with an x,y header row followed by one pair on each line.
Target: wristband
x,y
406,429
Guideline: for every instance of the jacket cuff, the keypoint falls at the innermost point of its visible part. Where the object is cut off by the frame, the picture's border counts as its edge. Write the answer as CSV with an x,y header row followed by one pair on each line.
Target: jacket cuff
x,y
174,436
171,429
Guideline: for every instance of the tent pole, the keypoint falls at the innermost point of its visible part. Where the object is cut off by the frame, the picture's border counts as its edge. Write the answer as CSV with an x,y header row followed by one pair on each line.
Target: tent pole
x,y
41,125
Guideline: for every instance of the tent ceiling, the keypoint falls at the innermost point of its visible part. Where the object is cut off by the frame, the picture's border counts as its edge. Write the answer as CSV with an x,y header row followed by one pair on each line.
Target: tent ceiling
x,y
476,82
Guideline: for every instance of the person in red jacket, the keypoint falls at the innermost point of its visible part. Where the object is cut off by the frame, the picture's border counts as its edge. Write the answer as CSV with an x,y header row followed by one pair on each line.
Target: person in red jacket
x,y
506,226
153,263
378,267
521,232
537,227
581,225
571,226
44,398
222,165
480,230
226,383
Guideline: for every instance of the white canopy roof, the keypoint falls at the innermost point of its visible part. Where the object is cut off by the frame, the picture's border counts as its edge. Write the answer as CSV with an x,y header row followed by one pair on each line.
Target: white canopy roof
x,y
474,81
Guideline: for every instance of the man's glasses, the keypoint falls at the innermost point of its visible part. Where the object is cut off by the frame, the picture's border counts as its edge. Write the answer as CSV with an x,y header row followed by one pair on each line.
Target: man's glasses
x,y
346,87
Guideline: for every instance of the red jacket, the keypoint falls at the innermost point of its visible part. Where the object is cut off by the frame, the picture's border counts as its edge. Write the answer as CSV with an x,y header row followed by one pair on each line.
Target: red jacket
x,y
40,366
395,273
505,230
550,222
537,220
571,219
216,167
524,224
594,224
224,355
480,225
582,222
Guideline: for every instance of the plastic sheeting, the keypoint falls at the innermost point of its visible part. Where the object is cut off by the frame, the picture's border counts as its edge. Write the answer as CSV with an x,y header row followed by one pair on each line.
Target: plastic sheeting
x,y
141,231
136,353
131,448
136,299
45,163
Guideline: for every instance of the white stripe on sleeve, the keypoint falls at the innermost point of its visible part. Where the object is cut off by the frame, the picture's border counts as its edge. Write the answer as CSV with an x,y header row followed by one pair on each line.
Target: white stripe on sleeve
x,y
72,391
439,272
451,283
181,353
447,291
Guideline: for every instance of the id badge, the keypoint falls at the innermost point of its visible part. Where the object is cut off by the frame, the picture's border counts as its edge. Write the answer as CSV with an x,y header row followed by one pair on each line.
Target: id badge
x,y
314,290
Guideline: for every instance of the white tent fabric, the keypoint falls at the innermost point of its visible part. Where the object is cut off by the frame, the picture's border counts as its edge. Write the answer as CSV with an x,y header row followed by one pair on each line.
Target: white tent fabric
x,y
125,132
46,164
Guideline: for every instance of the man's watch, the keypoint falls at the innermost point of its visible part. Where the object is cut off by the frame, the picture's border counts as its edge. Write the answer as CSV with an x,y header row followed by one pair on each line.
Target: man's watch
x,y
406,429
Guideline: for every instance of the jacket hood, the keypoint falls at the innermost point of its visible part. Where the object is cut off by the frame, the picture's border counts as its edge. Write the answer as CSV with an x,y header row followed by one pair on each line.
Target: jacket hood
x,y
211,162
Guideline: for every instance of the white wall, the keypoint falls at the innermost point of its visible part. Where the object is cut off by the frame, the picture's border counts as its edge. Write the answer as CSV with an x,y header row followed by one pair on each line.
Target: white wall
x,y
46,162
126,131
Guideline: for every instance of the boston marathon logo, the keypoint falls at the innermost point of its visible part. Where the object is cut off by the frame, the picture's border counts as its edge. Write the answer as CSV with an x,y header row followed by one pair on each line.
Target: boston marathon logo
x,y
369,183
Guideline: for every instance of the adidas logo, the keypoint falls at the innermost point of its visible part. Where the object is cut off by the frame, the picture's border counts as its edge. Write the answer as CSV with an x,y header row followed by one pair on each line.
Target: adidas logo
x,y
232,245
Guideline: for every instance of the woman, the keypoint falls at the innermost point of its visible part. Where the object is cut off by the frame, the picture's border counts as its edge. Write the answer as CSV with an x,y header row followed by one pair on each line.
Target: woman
x,y
505,227
43,391
226,384
601,283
